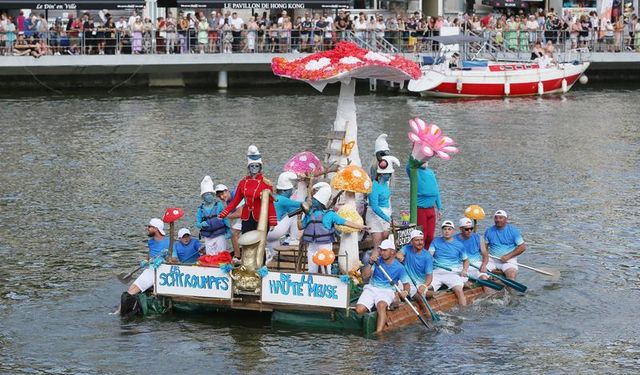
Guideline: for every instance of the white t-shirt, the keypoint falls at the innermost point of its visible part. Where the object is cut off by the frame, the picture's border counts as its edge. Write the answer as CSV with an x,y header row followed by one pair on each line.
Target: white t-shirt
x,y
236,23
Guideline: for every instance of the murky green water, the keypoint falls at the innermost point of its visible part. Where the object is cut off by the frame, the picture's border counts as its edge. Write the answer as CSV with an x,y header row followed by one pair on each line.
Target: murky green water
x,y
81,176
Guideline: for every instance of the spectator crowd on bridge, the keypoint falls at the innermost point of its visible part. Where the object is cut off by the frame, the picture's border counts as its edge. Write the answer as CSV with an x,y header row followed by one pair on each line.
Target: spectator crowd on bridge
x,y
312,30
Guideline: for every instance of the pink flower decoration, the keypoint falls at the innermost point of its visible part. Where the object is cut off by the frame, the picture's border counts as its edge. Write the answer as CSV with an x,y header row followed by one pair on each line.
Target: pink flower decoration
x,y
303,163
428,141
344,61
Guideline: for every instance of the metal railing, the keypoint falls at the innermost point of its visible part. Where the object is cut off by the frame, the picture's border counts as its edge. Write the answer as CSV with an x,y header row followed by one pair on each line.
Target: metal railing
x,y
271,40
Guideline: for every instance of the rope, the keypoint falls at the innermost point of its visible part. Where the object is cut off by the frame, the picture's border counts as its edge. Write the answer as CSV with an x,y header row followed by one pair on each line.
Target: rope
x,y
42,83
126,80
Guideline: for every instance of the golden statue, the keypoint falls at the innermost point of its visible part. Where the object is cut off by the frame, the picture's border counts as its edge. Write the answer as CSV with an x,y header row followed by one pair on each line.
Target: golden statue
x,y
246,277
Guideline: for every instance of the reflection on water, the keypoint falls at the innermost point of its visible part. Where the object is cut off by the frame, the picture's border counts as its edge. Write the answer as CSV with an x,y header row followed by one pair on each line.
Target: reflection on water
x,y
81,176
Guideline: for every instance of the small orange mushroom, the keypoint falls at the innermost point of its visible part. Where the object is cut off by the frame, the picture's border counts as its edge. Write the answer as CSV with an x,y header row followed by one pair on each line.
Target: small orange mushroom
x,y
323,257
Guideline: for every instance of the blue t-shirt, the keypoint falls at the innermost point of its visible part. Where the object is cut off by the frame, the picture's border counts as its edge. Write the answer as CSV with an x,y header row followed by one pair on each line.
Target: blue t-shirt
x,y
448,253
428,190
329,219
284,205
157,247
395,270
418,265
187,254
379,198
471,247
502,241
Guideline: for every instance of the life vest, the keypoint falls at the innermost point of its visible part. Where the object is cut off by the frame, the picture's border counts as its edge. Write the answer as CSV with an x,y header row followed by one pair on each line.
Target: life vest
x,y
216,226
316,232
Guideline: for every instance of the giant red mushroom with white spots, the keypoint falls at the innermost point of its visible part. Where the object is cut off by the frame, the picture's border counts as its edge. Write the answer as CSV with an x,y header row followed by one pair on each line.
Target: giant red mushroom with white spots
x,y
345,63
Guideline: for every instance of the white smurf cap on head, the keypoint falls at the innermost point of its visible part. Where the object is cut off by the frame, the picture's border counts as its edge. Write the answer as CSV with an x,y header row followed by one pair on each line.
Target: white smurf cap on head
x,y
158,224
501,213
447,223
182,232
206,186
323,195
465,222
386,164
221,187
253,155
388,244
415,234
381,143
285,180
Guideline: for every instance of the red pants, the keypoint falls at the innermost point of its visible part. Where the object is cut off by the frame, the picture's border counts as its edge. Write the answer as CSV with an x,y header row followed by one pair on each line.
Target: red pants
x,y
427,220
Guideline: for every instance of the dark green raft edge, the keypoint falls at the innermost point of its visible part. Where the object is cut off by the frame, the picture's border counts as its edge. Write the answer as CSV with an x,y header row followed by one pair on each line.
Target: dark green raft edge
x,y
338,320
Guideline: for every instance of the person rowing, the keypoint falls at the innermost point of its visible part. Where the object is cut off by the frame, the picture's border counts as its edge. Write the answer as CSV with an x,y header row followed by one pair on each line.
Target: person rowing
x,y
505,242
380,292
449,252
418,263
475,249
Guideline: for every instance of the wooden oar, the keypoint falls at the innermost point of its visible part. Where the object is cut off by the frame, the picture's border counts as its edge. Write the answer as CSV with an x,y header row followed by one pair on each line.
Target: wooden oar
x,y
435,317
508,282
406,300
486,283
554,274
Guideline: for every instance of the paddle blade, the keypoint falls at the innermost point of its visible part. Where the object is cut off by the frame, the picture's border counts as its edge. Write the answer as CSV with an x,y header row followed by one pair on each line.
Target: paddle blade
x,y
553,273
124,277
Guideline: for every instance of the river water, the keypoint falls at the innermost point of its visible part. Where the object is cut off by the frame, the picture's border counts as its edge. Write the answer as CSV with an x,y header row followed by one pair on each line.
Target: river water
x,y
82,175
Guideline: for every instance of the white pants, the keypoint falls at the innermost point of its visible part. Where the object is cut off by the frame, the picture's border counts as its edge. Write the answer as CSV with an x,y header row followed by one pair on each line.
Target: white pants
x,y
312,249
496,264
375,222
145,280
214,245
371,295
475,272
444,277
279,231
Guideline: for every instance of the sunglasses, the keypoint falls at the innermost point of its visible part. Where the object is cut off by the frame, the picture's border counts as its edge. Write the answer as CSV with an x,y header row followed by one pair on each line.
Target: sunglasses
x,y
467,229
254,157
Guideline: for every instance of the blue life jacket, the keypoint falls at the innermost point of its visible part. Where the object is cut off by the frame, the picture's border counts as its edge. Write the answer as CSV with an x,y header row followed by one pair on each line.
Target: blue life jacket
x,y
216,226
316,232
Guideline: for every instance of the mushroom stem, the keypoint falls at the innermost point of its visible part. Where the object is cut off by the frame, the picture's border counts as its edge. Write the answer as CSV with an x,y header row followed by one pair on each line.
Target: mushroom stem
x,y
171,240
348,252
346,120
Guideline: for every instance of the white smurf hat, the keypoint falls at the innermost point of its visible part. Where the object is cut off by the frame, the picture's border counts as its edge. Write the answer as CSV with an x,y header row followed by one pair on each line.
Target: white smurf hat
x,y
206,186
253,155
323,195
285,180
381,143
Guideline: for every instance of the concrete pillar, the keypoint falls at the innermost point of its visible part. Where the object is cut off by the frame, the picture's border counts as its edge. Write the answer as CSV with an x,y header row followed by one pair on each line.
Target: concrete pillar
x,y
222,79
373,83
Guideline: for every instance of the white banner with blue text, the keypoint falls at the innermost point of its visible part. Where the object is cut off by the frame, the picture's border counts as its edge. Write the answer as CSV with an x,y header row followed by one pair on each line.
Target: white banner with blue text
x,y
305,289
193,281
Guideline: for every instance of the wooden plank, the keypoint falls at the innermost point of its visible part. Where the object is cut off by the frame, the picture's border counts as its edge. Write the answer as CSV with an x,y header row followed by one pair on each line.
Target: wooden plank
x,y
337,134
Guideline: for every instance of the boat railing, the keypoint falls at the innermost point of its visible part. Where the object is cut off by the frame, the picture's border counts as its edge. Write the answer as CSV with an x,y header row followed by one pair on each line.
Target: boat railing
x,y
371,42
